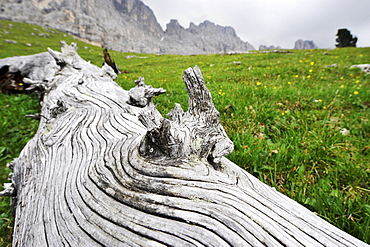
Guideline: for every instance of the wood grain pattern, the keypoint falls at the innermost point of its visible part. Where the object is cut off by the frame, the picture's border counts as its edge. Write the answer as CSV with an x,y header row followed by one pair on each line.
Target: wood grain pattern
x,y
102,172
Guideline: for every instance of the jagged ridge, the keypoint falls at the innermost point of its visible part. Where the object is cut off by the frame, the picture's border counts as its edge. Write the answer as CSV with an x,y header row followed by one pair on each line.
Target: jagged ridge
x,y
124,25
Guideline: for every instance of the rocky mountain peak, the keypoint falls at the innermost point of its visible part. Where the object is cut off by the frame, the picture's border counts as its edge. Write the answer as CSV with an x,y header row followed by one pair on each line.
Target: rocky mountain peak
x,y
304,44
210,27
174,28
123,25
269,47
139,13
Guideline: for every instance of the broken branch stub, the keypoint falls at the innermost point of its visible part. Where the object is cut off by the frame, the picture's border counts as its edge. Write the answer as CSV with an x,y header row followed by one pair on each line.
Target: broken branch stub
x,y
195,133
142,94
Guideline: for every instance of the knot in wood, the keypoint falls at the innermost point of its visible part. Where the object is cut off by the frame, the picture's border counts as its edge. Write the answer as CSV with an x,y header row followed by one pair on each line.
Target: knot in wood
x,y
59,108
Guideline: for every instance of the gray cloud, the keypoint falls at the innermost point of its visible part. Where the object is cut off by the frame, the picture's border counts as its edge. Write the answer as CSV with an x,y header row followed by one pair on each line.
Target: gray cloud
x,y
272,22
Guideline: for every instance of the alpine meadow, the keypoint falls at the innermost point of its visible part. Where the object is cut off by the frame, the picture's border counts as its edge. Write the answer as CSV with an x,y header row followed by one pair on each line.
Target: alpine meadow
x,y
299,119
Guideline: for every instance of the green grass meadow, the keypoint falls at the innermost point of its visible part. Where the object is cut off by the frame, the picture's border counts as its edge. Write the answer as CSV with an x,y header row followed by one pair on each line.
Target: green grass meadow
x,y
297,125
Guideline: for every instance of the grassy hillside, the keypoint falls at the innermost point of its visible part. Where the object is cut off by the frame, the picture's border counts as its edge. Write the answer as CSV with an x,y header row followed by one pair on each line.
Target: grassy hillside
x,y
297,124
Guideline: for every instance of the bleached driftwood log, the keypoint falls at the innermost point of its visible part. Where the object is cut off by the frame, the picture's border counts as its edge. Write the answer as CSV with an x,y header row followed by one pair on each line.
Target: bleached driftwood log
x,y
105,168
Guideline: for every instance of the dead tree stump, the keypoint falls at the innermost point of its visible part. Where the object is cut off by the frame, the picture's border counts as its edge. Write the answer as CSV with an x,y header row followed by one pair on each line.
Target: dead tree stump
x,y
106,169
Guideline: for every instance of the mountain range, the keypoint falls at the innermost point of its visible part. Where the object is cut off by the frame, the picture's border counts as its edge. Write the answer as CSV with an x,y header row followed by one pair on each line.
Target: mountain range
x,y
124,25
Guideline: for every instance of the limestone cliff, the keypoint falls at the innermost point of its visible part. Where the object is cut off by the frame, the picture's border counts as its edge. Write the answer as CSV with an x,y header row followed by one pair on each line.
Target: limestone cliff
x,y
304,45
266,47
123,25
206,38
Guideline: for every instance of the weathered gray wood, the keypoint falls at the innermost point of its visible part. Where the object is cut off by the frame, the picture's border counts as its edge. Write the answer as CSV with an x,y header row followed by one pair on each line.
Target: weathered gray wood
x,y
364,67
100,171
196,133
35,67
142,94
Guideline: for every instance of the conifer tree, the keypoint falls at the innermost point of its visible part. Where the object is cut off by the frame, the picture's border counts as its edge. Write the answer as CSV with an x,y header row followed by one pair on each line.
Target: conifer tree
x,y
345,39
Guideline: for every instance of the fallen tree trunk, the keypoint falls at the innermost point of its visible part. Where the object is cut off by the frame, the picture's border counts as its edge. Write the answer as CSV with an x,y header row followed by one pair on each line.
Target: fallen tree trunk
x,y
105,168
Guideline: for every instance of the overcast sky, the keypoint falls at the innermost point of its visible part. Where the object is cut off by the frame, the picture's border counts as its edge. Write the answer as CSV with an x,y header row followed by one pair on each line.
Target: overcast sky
x,y
273,22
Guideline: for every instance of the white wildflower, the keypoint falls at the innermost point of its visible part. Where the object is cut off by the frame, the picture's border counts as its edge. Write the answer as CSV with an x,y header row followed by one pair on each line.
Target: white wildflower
x,y
344,131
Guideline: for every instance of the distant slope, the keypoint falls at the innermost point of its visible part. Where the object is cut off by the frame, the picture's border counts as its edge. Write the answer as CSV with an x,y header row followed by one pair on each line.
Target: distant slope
x,y
126,25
